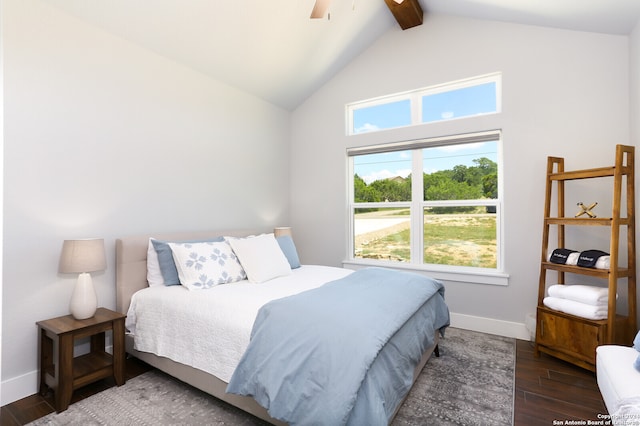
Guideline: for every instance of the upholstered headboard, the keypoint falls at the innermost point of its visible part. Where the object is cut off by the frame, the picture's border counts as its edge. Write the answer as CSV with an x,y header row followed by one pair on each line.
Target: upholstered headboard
x,y
131,260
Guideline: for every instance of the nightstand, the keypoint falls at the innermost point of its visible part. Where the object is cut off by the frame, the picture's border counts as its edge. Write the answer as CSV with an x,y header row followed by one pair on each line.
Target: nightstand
x,y
63,373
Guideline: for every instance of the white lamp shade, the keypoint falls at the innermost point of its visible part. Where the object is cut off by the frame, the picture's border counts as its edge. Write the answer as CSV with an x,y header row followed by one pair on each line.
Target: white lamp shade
x,y
82,257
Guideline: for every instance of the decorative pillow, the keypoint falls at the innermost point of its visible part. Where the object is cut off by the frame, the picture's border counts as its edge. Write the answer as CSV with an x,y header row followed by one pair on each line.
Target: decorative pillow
x,y
205,265
289,249
154,275
165,258
261,257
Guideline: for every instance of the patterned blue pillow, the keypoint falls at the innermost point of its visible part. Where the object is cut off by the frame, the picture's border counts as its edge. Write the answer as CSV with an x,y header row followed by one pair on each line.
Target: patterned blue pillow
x,y
289,249
165,258
205,265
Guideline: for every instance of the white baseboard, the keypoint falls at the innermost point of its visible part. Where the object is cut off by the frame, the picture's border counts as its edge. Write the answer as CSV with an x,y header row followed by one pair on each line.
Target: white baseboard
x,y
19,387
491,326
26,385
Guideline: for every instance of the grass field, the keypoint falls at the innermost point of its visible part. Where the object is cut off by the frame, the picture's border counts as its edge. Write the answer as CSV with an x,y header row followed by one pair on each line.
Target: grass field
x,y
449,239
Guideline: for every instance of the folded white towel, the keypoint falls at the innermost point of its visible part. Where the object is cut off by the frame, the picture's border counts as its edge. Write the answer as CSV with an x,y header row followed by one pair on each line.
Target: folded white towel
x,y
572,259
576,308
591,295
603,262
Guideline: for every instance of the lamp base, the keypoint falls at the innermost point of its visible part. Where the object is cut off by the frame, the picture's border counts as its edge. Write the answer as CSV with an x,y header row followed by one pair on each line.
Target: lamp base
x,y
84,301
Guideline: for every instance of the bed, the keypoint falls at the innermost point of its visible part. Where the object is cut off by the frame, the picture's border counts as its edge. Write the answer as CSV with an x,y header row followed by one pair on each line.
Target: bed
x,y
131,279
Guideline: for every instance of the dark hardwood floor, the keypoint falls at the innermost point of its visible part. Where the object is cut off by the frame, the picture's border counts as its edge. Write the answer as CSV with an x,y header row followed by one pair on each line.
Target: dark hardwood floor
x,y
35,406
549,389
546,389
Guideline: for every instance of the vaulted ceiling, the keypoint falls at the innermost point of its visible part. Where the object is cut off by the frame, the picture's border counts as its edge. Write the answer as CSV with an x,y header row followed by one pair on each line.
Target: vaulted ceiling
x,y
271,48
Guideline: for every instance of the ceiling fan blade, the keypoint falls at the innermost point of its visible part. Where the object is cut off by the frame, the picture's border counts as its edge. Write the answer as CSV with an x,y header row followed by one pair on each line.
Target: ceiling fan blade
x,y
320,9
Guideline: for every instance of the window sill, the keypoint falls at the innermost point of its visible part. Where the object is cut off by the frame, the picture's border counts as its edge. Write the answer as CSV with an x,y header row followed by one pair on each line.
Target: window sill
x,y
463,275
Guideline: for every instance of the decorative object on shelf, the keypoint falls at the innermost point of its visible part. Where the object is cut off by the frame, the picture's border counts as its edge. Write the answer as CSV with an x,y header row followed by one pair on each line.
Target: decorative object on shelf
x,y
586,209
83,257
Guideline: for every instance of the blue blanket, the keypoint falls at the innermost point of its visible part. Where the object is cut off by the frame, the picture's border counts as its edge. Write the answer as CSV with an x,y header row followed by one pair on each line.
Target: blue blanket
x,y
309,353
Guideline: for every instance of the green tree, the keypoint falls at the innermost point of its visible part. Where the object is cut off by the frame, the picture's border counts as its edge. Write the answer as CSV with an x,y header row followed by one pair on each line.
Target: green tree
x,y
462,183
459,183
394,189
441,186
490,185
362,192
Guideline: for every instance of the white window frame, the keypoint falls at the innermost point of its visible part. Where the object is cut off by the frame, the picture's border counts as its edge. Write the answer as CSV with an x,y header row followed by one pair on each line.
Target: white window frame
x,y
492,276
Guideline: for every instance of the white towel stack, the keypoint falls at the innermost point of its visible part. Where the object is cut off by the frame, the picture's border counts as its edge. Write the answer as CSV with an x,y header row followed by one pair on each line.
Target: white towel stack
x,y
582,300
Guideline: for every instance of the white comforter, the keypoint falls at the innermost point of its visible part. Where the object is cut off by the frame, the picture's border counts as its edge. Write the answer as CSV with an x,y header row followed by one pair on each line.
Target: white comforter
x,y
210,329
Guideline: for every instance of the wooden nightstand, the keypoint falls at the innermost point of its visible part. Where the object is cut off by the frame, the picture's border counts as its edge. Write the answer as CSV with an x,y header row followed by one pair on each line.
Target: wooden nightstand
x,y
63,373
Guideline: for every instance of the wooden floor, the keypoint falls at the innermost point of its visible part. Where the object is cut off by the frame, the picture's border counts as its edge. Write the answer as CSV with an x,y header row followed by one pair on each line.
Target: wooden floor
x,y
35,406
546,389
549,389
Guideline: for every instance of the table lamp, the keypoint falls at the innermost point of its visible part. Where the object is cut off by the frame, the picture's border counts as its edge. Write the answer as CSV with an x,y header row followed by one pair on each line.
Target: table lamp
x,y
83,257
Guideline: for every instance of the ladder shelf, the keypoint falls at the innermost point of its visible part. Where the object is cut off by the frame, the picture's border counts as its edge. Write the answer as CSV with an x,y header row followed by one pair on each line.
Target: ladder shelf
x,y
570,337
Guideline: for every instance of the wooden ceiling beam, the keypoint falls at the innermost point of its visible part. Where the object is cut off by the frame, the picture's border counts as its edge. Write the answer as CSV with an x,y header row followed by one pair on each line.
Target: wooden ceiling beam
x,y
408,13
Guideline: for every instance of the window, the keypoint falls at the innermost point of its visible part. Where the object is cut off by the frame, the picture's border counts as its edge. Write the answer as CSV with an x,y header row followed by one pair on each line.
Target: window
x,y
464,102
386,115
465,98
449,216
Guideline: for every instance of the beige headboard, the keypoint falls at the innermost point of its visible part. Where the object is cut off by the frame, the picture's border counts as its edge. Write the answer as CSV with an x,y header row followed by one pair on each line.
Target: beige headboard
x,y
131,260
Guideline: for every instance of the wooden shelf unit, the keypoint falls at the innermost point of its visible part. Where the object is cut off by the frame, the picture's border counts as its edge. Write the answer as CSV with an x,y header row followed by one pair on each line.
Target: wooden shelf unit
x,y
569,337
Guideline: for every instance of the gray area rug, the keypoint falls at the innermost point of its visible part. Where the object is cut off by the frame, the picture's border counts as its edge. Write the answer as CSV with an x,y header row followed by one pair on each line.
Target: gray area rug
x,y
471,383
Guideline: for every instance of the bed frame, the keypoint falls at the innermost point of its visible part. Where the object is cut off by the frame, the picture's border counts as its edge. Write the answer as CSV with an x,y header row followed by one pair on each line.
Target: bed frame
x,y
131,276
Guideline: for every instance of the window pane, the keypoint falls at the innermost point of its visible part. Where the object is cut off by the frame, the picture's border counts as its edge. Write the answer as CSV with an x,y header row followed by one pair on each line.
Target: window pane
x,y
382,234
461,172
460,236
382,177
384,116
480,99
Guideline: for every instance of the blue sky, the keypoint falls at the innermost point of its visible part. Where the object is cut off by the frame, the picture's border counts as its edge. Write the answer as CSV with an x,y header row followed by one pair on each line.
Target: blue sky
x,y
458,103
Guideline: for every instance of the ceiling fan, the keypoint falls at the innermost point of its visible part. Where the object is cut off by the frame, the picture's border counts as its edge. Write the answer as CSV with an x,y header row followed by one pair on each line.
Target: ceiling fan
x,y
408,13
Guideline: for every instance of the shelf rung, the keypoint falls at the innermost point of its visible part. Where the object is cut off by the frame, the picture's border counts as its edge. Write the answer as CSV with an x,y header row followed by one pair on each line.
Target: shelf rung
x,y
583,174
602,273
593,221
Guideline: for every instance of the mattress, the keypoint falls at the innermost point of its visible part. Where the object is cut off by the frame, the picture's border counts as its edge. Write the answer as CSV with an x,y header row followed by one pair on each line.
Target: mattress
x,y
170,321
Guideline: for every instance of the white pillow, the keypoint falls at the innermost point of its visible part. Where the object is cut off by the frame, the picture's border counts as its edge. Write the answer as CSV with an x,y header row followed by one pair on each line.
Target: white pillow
x,y
205,265
261,257
154,275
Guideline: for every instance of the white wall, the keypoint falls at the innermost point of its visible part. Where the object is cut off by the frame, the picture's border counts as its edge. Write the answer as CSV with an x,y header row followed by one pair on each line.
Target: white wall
x,y
565,94
634,104
634,91
104,139
1,175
